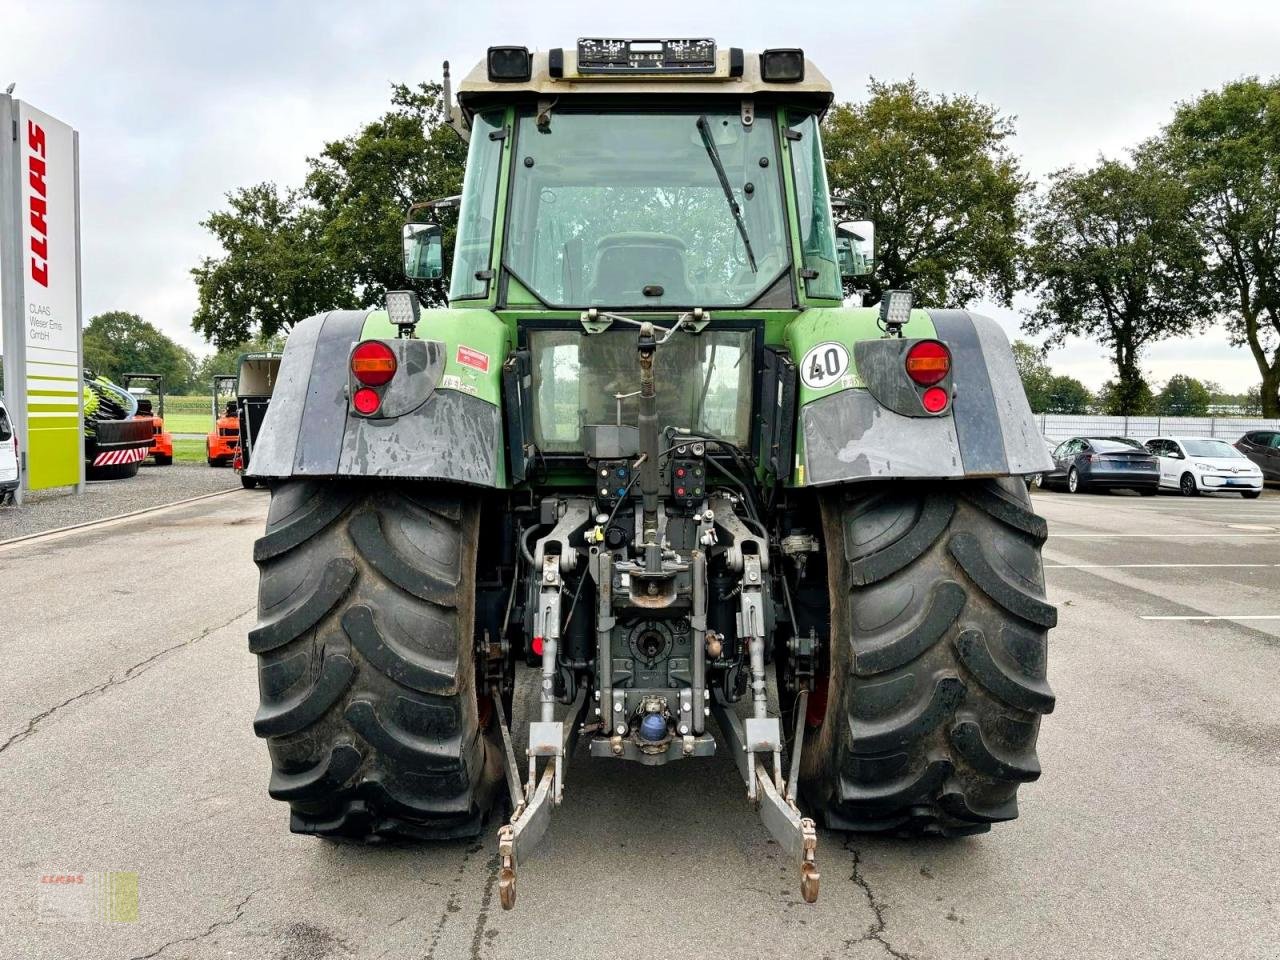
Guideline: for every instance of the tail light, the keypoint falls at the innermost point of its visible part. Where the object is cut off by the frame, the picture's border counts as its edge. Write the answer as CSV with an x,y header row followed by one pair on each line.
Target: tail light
x,y
935,400
373,363
365,400
928,362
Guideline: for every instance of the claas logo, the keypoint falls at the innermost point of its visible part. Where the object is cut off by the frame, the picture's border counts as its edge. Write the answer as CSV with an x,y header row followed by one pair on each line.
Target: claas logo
x,y
39,203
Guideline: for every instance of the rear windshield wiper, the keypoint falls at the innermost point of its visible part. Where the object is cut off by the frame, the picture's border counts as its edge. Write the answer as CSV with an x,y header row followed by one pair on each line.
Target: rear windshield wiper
x,y
704,128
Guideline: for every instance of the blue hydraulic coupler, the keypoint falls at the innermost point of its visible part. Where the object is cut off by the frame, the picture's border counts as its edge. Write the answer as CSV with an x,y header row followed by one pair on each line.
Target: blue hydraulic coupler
x,y
653,728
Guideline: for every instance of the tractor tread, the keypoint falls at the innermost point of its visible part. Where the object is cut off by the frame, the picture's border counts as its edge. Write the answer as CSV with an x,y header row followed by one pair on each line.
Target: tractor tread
x,y
291,715
327,775
395,660
878,653
885,538
1018,689
968,739
915,722
307,611
968,550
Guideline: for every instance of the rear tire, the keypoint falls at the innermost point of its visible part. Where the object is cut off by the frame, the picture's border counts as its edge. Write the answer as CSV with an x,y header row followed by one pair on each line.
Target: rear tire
x,y
247,482
163,460
937,657
1148,491
366,664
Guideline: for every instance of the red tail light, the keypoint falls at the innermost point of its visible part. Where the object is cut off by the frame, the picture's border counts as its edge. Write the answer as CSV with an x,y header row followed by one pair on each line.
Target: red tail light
x,y
373,363
935,399
366,400
928,362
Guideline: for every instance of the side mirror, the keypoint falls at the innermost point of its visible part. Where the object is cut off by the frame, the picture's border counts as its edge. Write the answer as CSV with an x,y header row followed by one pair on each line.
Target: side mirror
x,y
856,247
423,251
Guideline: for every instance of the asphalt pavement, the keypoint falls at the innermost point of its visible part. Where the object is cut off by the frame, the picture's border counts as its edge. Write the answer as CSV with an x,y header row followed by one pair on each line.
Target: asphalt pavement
x,y
126,746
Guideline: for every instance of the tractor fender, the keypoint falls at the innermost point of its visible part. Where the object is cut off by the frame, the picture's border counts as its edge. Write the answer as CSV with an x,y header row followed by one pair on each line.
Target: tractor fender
x,y
850,435
454,433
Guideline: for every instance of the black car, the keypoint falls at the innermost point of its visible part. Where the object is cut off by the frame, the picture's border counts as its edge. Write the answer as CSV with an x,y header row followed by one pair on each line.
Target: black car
x,y
1263,448
1103,463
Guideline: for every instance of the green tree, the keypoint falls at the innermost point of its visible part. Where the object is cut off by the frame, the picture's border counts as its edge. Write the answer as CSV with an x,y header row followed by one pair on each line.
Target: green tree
x,y
1065,394
118,342
275,270
1134,399
335,241
1035,373
1113,257
1184,396
1225,147
936,175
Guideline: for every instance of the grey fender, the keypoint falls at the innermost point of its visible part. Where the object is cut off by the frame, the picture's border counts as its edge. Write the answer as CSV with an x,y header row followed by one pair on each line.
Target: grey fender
x,y
311,431
989,431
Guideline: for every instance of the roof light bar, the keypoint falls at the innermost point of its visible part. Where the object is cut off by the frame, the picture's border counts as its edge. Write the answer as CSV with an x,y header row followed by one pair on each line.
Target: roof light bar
x,y
607,55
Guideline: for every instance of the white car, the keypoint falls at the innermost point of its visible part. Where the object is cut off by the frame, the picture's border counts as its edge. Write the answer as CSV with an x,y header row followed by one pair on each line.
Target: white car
x,y
1196,465
8,455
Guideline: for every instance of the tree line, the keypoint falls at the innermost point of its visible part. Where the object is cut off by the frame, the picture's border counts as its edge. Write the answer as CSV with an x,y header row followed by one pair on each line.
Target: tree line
x,y
118,342
1181,231
1179,396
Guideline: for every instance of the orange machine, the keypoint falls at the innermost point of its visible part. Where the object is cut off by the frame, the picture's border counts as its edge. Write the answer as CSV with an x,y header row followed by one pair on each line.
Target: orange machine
x,y
161,450
223,443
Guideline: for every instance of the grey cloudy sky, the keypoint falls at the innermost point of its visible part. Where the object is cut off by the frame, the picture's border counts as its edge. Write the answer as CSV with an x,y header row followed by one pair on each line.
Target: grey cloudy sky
x,y
178,102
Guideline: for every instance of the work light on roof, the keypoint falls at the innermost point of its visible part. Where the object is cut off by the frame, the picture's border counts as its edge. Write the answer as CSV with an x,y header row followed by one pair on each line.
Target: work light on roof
x,y
782,65
510,64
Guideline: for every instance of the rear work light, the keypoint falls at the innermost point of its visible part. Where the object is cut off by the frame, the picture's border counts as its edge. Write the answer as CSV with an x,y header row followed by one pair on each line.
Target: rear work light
x,y
928,362
373,363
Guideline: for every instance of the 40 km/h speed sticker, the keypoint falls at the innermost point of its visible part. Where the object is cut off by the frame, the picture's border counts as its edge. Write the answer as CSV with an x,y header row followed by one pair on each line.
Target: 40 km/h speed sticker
x,y
824,364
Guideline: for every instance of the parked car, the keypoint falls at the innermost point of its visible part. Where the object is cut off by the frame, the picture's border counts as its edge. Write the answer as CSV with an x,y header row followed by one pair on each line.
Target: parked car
x,y
1101,463
1263,448
8,455
1196,465
1033,479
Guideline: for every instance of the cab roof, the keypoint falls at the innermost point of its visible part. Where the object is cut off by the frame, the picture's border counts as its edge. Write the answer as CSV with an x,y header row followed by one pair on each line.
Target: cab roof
x,y
477,88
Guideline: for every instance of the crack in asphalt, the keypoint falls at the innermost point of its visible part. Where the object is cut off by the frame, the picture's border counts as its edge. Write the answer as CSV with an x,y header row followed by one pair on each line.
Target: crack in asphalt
x,y
876,932
216,925
131,673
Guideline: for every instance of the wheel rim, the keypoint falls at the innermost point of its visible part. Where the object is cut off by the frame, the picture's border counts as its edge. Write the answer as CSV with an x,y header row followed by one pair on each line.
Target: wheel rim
x,y
1073,481
1188,485
1037,481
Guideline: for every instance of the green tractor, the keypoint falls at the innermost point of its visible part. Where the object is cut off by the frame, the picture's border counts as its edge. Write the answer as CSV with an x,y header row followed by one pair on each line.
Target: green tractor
x,y
649,454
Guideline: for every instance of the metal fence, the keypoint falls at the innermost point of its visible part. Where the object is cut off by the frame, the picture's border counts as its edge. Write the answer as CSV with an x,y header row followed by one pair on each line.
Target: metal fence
x,y
1062,426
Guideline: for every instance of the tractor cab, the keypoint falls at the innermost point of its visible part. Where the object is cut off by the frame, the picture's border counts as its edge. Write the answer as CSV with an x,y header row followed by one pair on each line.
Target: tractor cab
x,y
255,380
223,441
148,389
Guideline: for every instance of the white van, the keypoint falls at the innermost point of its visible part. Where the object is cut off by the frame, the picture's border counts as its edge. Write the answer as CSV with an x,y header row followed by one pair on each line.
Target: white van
x,y
8,455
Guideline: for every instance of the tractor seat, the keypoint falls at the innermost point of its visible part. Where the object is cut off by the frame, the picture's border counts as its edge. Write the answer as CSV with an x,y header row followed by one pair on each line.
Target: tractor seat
x,y
626,263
